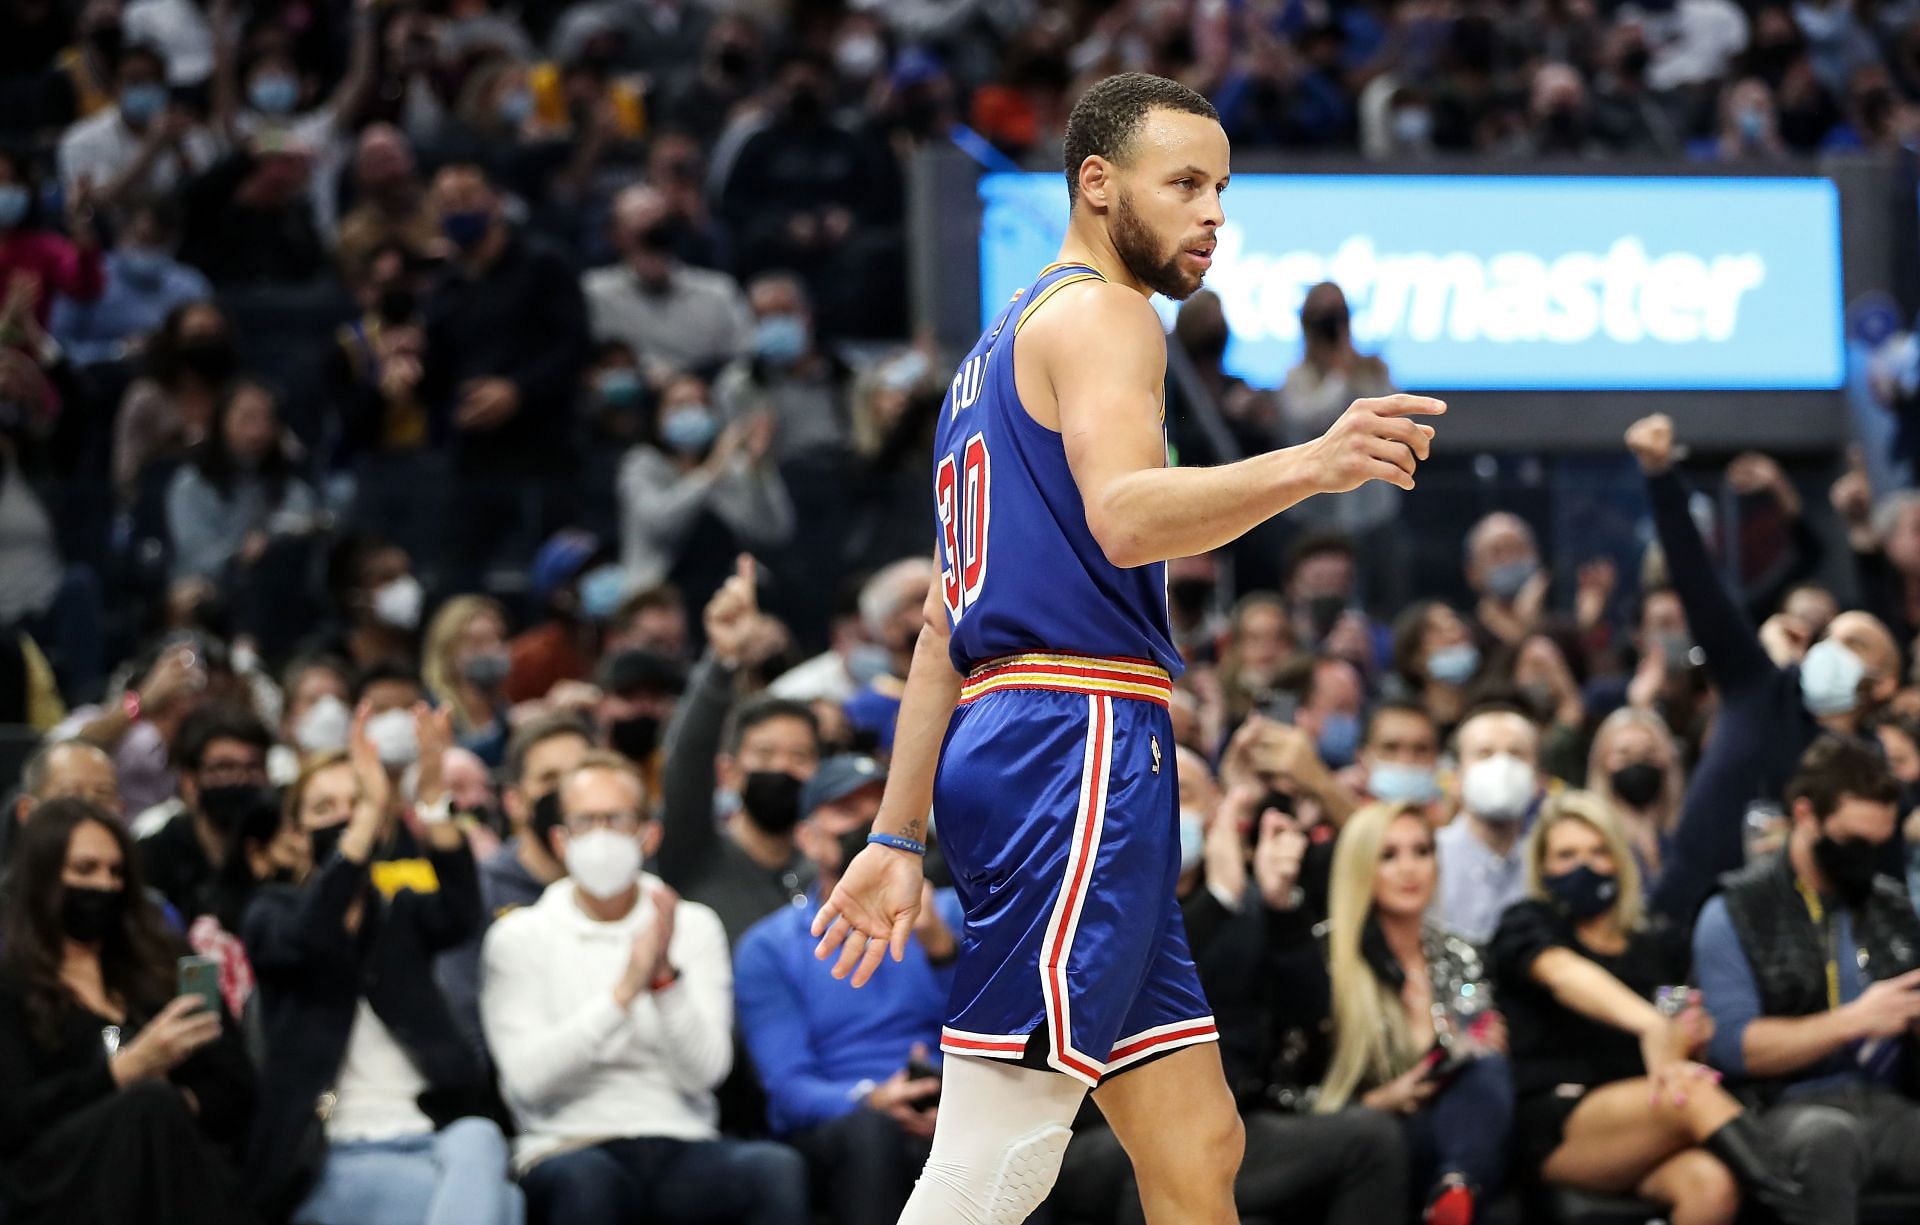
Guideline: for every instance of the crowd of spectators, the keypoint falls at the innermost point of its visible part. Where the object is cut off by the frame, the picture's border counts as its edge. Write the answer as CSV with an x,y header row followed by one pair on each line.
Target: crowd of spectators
x,y
463,524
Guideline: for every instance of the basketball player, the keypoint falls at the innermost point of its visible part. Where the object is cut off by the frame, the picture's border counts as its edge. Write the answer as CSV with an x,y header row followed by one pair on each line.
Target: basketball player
x,y
1046,667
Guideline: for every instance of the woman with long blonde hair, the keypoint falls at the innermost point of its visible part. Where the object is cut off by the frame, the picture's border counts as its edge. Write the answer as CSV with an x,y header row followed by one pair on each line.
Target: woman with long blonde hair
x,y
1635,767
464,663
1414,1031
1610,1099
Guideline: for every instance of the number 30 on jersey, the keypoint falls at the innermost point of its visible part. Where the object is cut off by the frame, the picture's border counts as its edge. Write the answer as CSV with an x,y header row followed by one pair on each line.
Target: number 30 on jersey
x,y
961,492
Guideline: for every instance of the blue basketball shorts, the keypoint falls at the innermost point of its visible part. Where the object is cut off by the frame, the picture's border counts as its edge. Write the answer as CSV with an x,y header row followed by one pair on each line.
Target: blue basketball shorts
x,y
1057,809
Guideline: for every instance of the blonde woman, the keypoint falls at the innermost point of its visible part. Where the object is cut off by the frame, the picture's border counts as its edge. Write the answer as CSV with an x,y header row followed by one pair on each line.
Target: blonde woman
x,y
465,664
1414,1034
1609,1097
1635,766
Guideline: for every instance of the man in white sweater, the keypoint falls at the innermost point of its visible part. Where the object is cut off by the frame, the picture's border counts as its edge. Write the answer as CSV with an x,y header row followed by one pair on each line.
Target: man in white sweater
x,y
608,1006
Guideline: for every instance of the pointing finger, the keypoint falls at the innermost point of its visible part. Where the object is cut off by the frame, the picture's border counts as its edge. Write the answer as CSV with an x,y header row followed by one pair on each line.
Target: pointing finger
x,y
1409,406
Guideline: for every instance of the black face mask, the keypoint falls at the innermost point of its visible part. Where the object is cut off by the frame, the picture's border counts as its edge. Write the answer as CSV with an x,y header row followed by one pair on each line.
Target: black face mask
x,y
396,305
212,360
326,842
229,806
106,42
1209,345
1638,783
771,799
733,62
806,106
634,738
1633,63
1325,325
89,915
852,843
546,819
1323,611
1849,866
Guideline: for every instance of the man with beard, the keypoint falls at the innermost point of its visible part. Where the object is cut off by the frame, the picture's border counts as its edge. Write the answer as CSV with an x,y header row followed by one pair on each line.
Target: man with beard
x,y
1037,703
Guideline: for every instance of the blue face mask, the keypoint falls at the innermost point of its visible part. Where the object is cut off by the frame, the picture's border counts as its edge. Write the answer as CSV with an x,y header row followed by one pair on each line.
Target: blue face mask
x,y
602,590
1193,839
619,388
1583,893
1505,582
1454,665
13,205
515,106
141,103
466,230
1830,678
274,94
1394,782
780,339
141,266
689,429
1339,739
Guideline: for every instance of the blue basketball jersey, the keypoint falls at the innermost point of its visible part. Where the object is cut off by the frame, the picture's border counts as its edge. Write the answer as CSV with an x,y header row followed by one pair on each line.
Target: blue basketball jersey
x,y
1019,568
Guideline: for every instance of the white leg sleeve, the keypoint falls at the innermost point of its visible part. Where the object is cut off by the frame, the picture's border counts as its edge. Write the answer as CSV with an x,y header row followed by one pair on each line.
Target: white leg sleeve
x,y
997,1147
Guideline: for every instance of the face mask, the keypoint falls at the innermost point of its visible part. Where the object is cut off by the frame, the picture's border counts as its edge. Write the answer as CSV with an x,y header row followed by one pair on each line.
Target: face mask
x,y
1634,61
324,726
1410,127
771,799
90,915
1324,325
326,841
618,388
274,94
1193,839
852,843
141,103
210,358
1830,678
867,663
487,670
1637,784
602,590
1394,782
1498,788
1504,582
859,57
466,230
603,863
516,105
225,807
13,205
1454,665
141,266
1753,126
397,603
1678,649
635,738
690,428
1540,698
394,738
1190,595
1339,739
780,339
1848,865
1323,612
1583,893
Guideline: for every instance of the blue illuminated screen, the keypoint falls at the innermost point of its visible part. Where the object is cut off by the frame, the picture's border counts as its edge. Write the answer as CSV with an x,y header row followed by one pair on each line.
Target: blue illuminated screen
x,y
1504,283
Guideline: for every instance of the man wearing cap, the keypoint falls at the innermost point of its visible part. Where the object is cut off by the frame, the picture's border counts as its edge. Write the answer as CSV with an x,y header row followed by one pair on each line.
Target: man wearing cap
x,y
577,586
836,1066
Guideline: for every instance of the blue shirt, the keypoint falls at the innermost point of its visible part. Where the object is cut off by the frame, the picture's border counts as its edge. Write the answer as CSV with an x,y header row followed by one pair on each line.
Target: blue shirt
x,y
135,301
1020,570
813,1038
1476,884
1733,999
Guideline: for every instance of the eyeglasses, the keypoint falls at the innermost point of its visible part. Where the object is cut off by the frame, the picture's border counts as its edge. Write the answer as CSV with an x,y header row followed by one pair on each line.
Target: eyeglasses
x,y
620,822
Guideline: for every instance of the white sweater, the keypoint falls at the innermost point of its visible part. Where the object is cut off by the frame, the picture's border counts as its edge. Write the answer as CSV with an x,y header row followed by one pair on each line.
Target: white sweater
x,y
574,1067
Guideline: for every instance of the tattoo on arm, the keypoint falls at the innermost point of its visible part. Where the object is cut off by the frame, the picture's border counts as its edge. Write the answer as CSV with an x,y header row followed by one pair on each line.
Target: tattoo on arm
x,y
916,829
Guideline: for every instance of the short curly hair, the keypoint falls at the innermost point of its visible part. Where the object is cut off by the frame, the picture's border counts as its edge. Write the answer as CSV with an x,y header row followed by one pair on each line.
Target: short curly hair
x,y
1107,116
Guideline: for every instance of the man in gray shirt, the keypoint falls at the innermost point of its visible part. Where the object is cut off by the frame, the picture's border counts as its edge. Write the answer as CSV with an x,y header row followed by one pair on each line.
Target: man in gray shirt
x,y
674,318
1482,859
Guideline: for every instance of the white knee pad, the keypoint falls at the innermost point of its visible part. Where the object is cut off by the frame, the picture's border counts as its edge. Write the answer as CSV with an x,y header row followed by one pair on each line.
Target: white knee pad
x,y
997,1149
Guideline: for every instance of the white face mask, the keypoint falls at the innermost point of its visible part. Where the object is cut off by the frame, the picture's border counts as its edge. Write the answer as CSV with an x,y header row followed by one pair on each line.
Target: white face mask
x,y
1193,839
323,728
603,863
398,603
1498,788
394,738
1830,678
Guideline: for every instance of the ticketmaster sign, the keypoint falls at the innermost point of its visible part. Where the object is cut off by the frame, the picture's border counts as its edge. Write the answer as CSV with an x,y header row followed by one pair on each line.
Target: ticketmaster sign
x,y
1506,283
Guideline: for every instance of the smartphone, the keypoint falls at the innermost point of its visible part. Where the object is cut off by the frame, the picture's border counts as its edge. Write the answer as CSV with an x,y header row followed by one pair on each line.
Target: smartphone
x,y
920,1069
201,976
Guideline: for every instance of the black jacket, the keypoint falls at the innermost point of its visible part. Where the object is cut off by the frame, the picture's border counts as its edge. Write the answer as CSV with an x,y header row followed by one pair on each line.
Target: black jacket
x,y
312,973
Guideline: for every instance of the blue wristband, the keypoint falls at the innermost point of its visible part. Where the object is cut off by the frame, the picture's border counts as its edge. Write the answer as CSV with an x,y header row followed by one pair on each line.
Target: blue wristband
x,y
898,843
